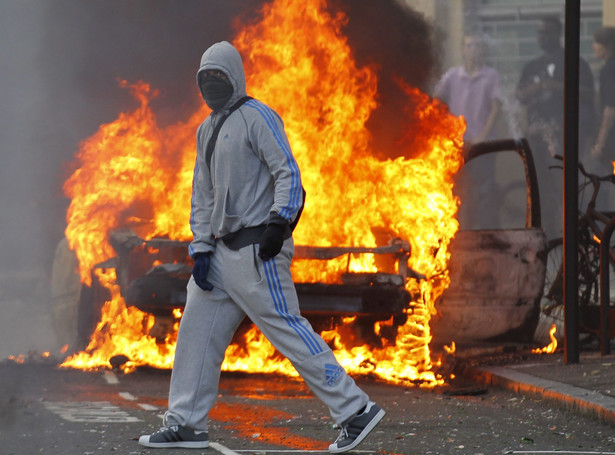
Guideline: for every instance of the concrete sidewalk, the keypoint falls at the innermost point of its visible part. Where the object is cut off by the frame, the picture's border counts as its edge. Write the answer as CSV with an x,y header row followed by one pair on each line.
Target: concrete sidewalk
x,y
587,387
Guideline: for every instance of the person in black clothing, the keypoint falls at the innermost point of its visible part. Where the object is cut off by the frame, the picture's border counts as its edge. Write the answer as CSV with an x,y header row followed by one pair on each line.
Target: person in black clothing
x,y
541,92
246,197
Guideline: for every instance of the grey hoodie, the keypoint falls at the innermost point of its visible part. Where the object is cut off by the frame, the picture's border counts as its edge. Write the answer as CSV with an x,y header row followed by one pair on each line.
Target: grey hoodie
x,y
254,178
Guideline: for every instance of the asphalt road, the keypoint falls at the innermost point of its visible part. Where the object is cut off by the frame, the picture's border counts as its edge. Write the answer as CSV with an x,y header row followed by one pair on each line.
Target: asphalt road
x,y
46,410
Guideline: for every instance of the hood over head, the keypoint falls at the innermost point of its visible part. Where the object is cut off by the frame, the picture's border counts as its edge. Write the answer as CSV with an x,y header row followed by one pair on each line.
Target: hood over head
x,y
224,57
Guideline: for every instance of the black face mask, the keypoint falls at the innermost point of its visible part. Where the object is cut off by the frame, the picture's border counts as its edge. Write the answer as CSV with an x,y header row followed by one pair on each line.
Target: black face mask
x,y
216,91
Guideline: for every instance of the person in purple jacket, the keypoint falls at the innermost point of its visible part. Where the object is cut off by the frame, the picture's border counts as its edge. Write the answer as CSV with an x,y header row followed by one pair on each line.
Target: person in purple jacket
x,y
473,90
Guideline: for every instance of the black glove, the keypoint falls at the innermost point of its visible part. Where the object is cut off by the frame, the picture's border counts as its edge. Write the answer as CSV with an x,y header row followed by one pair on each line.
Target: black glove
x,y
200,271
271,241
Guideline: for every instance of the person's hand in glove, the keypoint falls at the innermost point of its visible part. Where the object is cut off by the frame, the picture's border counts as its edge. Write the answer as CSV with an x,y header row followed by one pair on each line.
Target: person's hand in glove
x,y
200,271
271,241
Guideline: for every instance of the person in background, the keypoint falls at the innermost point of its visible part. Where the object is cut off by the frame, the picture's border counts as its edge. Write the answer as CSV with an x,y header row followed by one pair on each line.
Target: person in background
x,y
473,91
541,91
603,148
246,198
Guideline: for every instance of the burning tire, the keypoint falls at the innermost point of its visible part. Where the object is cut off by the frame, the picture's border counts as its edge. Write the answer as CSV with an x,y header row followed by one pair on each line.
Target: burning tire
x,y
90,306
75,307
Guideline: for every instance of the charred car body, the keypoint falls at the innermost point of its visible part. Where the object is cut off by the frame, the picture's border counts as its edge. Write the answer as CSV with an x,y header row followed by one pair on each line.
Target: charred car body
x,y
497,279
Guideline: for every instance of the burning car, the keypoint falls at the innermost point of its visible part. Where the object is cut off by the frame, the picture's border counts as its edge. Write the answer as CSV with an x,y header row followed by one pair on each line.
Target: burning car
x,y
375,239
152,276
496,280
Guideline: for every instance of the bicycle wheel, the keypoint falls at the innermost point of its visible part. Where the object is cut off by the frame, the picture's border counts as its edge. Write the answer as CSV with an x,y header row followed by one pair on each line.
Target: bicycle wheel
x,y
589,284
588,287
551,303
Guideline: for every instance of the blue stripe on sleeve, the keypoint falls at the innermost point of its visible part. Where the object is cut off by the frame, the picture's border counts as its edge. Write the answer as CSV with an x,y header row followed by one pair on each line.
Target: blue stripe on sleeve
x,y
296,192
194,179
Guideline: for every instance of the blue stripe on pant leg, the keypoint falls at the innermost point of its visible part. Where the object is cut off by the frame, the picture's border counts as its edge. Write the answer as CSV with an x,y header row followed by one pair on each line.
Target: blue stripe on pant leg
x,y
295,318
275,289
278,299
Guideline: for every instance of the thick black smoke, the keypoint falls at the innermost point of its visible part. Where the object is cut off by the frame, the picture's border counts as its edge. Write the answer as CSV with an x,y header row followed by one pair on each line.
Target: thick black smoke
x,y
402,43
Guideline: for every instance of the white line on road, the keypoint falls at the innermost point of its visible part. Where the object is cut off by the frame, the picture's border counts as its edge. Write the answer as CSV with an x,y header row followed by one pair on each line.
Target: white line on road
x,y
111,378
127,396
130,397
220,448
90,411
148,407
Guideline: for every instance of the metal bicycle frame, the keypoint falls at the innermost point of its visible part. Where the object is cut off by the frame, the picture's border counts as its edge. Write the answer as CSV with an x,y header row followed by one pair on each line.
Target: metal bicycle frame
x,y
591,276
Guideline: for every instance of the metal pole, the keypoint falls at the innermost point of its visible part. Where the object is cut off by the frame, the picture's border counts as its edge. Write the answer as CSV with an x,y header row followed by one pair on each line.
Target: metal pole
x,y
571,178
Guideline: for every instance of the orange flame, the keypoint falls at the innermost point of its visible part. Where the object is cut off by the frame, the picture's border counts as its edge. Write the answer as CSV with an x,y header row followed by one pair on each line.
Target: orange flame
x,y
551,347
20,359
134,173
129,169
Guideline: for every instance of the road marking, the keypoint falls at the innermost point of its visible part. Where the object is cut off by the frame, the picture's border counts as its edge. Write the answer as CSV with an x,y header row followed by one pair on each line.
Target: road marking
x,y
110,377
220,448
147,407
90,411
130,397
127,396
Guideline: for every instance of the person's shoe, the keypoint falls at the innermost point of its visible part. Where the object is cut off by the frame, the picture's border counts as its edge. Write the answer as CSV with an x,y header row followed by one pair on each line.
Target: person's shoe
x,y
358,428
176,436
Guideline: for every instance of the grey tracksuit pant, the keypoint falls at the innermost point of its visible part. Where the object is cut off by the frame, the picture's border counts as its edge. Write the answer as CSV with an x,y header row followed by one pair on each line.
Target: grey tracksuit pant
x,y
264,291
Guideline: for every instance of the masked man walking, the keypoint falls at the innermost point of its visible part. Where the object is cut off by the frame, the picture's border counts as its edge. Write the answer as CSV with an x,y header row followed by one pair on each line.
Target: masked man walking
x,y
246,199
